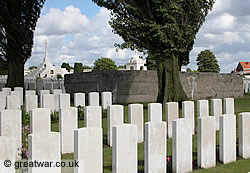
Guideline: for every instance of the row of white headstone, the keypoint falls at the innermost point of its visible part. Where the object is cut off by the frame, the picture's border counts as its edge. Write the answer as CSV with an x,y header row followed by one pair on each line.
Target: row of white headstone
x,y
123,135
53,101
86,143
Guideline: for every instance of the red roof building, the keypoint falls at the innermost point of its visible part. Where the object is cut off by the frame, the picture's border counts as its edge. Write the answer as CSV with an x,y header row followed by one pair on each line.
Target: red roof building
x,y
243,68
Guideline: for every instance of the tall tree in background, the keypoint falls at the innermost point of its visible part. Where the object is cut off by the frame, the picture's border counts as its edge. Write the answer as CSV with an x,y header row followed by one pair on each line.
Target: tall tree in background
x,y
78,67
18,20
165,28
207,62
66,65
104,64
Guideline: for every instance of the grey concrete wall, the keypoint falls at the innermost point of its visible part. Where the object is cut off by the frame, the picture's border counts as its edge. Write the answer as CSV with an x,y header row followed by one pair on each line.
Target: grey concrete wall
x,y
212,85
126,86
142,86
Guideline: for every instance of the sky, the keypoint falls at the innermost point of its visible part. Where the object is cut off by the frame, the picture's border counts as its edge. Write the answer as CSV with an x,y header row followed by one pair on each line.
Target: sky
x,y
78,31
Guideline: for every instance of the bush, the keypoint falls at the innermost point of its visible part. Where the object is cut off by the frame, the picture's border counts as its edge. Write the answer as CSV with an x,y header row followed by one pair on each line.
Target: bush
x,y
80,112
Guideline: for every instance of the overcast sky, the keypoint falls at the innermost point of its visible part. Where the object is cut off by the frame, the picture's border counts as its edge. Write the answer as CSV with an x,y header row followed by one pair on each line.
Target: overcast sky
x,y
78,31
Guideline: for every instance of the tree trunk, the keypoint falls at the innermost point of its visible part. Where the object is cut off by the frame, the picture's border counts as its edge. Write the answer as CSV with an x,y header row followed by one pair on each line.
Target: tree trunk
x,y
169,85
15,74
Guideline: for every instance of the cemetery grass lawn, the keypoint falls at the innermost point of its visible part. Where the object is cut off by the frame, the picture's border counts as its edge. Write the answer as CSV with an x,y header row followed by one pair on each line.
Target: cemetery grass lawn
x,y
241,105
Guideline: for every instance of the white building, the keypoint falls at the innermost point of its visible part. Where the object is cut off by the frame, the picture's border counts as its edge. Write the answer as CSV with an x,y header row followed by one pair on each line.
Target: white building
x,y
46,68
136,63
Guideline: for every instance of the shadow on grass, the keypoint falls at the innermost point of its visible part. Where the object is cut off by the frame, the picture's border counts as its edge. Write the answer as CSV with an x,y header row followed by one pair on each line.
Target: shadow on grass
x,y
108,167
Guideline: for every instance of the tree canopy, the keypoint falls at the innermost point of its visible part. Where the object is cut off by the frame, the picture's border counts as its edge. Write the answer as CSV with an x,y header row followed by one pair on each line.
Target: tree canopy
x,y
18,20
207,62
78,67
104,64
165,28
151,62
67,66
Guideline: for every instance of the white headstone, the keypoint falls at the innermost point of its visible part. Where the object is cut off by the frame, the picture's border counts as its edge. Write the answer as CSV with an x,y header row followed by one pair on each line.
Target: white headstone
x,y
41,93
229,106
93,116
135,116
154,112
6,91
227,138
79,99
115,117
172,113
10,126
20,90
2,101
106,99
40,120
68,122
30,102
48,101
124,149
93,98
18,94
155,147
244,135
216,111
88,150
206,142
7,152
30,92
182,145
188,112
56,93
44,147
64,100
202,108
13,102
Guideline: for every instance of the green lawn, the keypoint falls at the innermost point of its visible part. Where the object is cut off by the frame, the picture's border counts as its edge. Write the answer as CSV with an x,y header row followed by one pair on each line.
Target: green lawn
x,y
241,105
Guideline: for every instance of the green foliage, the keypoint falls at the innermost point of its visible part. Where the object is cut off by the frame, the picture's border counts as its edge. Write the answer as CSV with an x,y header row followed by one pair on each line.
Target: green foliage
x,y
150,62
104,113
207,62
104,64
78,68
25,132
3,72
25,116
59,76
32,67
121,66
86,67
189,70
66,65
162,28
80,112
54,117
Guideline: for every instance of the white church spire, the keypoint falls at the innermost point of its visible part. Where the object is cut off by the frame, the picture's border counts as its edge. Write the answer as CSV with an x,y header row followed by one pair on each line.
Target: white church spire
x,y
46,50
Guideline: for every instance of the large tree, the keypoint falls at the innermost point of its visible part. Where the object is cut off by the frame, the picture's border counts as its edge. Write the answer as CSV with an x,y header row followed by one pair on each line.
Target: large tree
x,y
18,20
165,28
104,64
207,62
